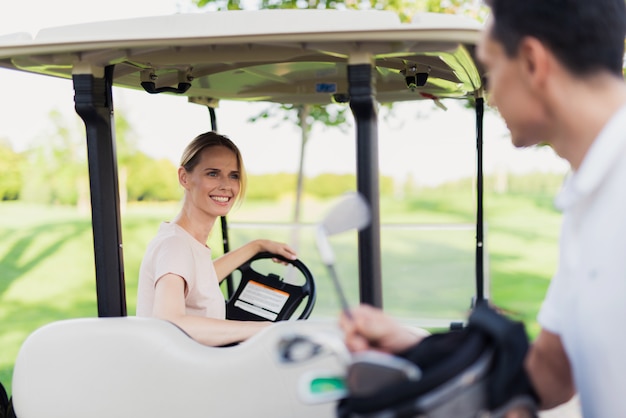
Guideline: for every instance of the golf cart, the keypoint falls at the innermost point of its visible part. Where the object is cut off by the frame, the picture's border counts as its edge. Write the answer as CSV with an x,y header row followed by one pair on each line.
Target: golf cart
x,y
119,365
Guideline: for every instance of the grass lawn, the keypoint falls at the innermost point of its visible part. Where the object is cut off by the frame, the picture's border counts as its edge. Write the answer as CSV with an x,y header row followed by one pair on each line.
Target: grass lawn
x,y
47,269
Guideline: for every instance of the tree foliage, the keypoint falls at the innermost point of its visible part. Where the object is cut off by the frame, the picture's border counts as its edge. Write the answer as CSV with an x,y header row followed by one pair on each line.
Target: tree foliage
x,y
56,172
56,165
333,115
328,185
405,9
272,187
151,180
11,164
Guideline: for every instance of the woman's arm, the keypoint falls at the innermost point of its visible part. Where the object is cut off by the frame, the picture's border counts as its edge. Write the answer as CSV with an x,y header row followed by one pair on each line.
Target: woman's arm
x,y
227,263
169,304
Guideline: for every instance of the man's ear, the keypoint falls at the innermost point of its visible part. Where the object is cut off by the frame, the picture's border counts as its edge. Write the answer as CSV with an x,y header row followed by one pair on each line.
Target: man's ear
x,y
534,61
183,177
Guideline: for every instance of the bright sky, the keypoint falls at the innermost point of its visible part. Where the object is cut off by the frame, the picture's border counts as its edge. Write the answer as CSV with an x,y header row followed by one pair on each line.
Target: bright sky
x,y
423,140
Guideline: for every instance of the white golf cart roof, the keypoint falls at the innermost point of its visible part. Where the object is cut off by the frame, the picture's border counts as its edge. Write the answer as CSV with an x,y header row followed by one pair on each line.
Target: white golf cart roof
x,y
287,56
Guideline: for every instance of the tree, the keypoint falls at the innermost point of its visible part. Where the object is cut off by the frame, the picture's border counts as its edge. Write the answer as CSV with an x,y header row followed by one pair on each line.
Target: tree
x,y
11,164
57,165
126,148
151,180
305,116
58,171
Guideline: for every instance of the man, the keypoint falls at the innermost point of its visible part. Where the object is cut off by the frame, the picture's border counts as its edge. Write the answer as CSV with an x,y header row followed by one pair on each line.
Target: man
x,y
555,75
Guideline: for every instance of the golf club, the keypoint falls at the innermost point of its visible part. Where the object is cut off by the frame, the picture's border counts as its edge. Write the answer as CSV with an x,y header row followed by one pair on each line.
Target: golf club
x,y
351,212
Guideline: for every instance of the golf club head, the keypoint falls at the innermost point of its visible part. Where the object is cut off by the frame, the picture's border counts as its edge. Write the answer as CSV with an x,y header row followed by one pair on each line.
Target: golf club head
x,y
351,212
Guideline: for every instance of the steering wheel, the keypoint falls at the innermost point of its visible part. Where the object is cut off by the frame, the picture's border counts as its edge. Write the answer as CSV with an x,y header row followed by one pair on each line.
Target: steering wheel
x,y
267,296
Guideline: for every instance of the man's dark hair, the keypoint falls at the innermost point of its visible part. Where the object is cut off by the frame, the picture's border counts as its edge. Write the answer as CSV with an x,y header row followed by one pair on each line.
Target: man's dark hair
x,y
585,35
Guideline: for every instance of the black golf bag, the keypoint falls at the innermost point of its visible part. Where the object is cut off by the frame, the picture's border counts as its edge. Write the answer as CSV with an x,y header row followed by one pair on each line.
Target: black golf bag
x,y
477,371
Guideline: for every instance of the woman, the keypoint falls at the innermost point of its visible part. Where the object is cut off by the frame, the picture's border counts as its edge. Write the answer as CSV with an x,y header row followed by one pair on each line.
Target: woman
x,y
178,280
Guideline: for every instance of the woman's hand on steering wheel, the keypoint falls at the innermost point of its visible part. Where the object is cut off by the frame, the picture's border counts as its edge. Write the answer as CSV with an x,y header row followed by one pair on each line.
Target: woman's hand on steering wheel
x,y
279,248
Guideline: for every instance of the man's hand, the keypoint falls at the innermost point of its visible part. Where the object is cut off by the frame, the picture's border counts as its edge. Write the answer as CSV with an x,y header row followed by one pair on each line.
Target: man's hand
x,y
371,329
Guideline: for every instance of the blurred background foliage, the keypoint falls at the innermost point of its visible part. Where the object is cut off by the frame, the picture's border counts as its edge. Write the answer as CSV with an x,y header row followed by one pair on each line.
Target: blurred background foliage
x,y
54,171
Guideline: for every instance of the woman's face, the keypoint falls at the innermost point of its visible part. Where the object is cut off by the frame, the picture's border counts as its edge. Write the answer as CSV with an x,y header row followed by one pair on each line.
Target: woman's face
x,y
213,185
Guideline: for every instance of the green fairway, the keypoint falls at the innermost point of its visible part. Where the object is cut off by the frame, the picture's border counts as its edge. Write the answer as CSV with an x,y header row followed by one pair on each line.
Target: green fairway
x,y
47,268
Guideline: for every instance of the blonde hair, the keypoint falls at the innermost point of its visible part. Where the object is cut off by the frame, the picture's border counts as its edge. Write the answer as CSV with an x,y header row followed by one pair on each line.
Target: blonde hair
x,y
191,155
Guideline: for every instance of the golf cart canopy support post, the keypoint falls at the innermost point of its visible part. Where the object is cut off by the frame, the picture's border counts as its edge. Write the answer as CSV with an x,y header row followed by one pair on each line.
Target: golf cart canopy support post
x,y
94,104
480,230
363,105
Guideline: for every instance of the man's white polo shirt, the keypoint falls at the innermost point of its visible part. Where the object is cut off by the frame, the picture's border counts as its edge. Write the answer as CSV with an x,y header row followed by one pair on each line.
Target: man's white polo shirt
x,y
586,301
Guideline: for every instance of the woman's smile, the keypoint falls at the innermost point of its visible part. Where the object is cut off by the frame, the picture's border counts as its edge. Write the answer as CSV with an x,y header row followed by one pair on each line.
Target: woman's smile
x,y
221,199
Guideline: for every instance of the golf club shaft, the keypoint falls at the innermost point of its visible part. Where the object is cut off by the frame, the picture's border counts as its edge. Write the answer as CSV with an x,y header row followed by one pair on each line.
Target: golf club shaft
x,y
339,289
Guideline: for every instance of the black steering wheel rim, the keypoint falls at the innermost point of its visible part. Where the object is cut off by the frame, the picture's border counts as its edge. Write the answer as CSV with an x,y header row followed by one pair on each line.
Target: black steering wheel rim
x,y
308,288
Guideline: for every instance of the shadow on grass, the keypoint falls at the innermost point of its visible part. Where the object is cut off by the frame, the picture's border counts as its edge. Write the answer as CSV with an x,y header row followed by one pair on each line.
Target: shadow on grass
x,y
430,279
24,255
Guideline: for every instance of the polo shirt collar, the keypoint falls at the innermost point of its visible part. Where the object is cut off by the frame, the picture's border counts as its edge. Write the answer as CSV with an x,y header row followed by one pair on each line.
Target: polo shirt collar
x,y
602,155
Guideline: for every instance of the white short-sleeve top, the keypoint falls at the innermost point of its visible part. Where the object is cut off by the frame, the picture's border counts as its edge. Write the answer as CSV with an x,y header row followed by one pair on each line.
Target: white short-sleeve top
x,y
175,251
